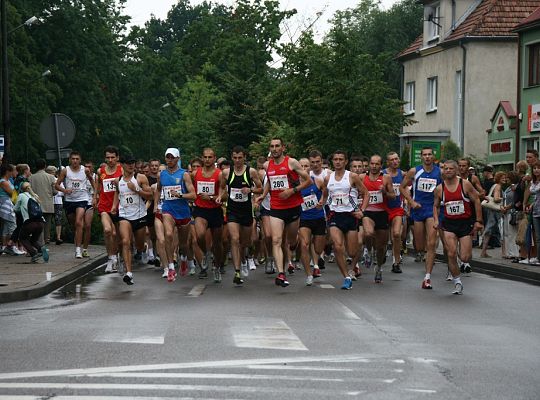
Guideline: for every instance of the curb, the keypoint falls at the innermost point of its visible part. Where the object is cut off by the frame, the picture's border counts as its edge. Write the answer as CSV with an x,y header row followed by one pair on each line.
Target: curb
x,y
46,287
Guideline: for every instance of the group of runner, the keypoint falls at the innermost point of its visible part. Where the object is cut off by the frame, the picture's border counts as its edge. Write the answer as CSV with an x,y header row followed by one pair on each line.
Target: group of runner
x,y
193,217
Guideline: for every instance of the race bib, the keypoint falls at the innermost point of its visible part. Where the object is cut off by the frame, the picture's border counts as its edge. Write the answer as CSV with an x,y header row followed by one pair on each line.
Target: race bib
x,y
396,188
310,202
238,196
205,187
76,185
108,185
375,197
340,199
279,182
455,207
168,192
427,185
129,199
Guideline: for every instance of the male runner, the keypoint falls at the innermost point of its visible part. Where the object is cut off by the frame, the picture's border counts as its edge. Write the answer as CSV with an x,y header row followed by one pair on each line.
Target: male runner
x,y
103,198
459,197
395,208
375,220
344,213
153,177
130,203
424,179
76,180
89,212
208,213
365,244
239,182
175,186
286,179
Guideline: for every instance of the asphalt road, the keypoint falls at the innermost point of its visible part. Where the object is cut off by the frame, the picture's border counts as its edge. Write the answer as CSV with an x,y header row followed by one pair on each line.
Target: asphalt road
x,y
194,339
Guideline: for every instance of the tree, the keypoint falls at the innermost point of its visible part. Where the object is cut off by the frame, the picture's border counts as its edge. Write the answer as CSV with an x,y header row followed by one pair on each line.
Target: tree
x,y
451,150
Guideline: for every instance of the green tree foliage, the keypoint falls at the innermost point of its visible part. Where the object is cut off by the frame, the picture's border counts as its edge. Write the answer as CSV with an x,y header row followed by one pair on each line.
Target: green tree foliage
x,y
451,151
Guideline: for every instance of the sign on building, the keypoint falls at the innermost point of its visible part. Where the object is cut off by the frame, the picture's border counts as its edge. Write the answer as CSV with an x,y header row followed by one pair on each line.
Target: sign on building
x,y
416,150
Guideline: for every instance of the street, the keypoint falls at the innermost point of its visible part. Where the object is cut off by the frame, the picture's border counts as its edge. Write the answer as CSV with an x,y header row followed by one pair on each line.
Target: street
x,y
194,339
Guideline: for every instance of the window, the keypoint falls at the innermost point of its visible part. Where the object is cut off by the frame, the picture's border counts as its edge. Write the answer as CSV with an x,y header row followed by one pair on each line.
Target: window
x,y
432,94
433,18
409,98
534,64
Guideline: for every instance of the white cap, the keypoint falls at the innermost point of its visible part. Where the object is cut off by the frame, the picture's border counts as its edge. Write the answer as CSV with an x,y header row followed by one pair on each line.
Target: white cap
x,y
174,151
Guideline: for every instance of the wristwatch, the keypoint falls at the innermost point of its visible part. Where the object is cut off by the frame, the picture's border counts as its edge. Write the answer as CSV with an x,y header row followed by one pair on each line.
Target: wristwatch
x,y
212,197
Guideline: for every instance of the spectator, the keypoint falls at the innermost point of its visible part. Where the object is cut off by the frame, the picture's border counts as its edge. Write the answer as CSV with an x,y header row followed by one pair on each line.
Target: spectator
x,y
58,206
493,217
510,249
43,185
533,207
32,227
8,221
23,175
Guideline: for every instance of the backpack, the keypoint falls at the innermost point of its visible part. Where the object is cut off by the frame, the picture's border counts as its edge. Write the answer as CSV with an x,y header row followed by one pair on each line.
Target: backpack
x,y
34,209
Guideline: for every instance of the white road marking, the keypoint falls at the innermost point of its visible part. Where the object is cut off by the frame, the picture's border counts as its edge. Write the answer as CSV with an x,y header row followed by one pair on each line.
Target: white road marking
x,y
171,366
297,368
169,375
196,291
126,338
350,314
423,360
265,333
326,286
399,361
19,397
428,391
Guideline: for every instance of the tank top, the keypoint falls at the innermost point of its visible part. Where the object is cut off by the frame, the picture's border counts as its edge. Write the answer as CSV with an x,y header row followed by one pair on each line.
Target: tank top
x,y
178,208
208,186
266,201
376,199
396,183
131,205
424,185
281,177
339,193
311,196
239,203
107,188
456,205
77,182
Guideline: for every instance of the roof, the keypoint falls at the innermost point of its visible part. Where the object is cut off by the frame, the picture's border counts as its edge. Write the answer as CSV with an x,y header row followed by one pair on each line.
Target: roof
x,y
507,108
490,19
531,20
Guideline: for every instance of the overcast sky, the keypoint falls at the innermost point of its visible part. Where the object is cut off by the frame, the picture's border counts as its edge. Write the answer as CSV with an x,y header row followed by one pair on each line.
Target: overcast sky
x,y
140,10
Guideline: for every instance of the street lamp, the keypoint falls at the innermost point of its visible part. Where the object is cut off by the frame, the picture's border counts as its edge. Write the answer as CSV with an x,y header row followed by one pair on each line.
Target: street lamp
x,y
26,90
28,22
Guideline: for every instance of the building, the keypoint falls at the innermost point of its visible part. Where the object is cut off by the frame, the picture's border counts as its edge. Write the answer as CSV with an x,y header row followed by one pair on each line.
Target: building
x,y
528,104
459,68
501,141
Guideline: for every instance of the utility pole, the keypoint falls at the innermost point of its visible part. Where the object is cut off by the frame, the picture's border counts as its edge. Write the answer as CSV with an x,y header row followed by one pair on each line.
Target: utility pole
x,y
6,121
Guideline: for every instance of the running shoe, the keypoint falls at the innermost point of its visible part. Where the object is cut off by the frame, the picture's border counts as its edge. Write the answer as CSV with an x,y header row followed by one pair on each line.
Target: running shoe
x,y
316,272
192,268
378,274
251,264
290,268
368,261
109,267
309,280
203,274
59,242
418,257
321,263
426,284
347,283
462,267
151,261
121,267
138,257
85,253
237,280
396,269
78,253
458,288
468,268
217,274
331,258
244,269
128,278
171,275
222,269
357,271
352,276
449,276
281,280
45,252
144,257
165,273
183,267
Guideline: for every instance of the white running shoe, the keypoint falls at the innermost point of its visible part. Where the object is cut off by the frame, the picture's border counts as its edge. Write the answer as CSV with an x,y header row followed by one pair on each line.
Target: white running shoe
x,y
145,257
449,276
244,269
109,267
309,280
251,264
458,288
165,273
78,252
533,261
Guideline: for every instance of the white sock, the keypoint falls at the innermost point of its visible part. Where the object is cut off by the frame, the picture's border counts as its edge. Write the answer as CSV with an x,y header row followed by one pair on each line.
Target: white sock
x,y
151,252
428,276
129,274
457,280
114,257
171,265
183,258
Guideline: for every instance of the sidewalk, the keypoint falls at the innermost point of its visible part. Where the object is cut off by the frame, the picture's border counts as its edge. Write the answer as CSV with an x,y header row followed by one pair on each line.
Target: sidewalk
x,y
497,266
22,280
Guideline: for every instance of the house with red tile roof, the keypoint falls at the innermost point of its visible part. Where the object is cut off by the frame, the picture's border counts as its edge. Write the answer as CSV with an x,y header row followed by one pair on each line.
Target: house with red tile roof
x,y
462,64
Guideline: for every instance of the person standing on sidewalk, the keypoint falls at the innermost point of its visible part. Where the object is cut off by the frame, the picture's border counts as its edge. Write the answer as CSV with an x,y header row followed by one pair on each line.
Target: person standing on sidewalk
x,y
43,185
8,221
58,206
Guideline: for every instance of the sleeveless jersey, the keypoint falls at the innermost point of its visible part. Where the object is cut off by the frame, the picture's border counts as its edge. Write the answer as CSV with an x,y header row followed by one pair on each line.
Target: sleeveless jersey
x,y
456,205
311,196
107,188
131,205
207,186
178,208
239,203
424,185
281,177
339,193
396,183
77,182
376,199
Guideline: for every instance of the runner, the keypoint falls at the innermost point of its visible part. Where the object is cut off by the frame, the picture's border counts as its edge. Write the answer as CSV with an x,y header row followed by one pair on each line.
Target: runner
x,y
175,187
103,199
264,211
208,213
365,244
424,179
458,198
239,182
395,209
89,212
344,211
153,177
76,180
286,179
375,220
130,204
312,231
318,172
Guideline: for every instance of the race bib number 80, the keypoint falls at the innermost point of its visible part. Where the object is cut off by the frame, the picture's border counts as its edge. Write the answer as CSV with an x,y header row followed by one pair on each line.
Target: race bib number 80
x,y
205,187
